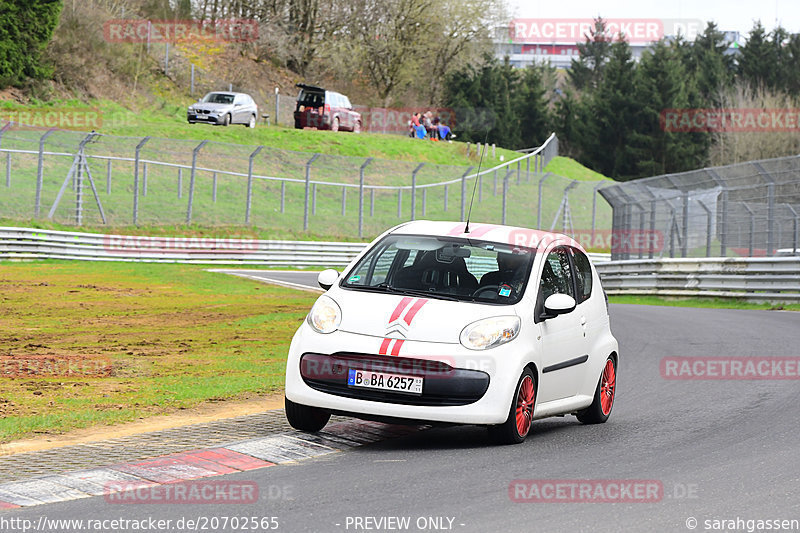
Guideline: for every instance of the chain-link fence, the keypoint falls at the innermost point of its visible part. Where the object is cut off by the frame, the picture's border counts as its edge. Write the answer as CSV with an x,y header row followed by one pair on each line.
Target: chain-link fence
x,y
88,179
747,209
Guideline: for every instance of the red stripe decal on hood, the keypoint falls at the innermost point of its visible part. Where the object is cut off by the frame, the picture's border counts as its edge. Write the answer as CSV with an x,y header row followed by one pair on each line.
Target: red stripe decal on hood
x,y
399,309
414,310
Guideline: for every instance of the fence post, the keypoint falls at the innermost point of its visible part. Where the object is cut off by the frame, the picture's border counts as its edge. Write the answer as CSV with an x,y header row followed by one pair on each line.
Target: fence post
x,y
39,173
8,169
283,196
361,196
313,199
708,227
399,203
685,243
277,104
505,195
136,180
771,219
214,187
539,204
494,146
424,200
519,171
371,202
195,151
414,191
495,183
752,228
594,210
650,244
344,200
794,228
4,129
308,172
446,188
250,184
464,193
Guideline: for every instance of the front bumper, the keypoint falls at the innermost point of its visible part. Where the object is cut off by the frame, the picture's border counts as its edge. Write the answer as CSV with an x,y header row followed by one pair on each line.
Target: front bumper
x,y
476,388
203,118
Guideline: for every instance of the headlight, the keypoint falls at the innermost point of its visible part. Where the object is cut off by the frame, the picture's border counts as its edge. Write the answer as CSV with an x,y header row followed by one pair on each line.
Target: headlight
x,y
190,110
325,316
490,332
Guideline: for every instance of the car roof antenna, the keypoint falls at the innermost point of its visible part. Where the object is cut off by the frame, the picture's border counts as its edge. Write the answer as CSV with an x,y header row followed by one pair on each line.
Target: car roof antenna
x,y
477,177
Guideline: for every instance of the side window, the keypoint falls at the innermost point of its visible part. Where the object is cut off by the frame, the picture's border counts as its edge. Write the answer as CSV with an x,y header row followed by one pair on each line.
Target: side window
x,y
583,275
556,274
238,100
346,102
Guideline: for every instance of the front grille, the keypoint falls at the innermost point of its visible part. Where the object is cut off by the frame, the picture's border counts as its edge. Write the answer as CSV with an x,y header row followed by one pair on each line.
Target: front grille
x,y
443,385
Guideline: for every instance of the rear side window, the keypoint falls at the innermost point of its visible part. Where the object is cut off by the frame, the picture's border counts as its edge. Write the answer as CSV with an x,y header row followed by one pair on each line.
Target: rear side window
x,y
583,275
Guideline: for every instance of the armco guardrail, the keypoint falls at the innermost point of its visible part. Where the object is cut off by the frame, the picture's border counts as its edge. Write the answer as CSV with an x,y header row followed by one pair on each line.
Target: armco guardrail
x,y
32,244
751,278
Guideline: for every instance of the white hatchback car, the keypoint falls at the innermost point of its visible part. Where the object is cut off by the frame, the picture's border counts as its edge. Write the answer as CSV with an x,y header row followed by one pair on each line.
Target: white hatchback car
x,y
495,325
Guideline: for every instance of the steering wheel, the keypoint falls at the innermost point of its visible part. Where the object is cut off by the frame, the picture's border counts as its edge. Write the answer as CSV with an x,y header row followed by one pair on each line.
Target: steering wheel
x,y
494,289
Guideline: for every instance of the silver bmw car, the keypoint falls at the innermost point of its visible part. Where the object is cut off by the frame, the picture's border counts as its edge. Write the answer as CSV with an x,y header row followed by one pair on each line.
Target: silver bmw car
x,y
224,108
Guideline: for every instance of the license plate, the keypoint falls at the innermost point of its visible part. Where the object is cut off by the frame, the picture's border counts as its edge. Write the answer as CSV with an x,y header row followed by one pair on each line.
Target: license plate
x,y
379,380
201,117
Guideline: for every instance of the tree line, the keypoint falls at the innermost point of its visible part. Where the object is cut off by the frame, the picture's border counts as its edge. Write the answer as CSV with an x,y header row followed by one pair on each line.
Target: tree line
x,y
608,110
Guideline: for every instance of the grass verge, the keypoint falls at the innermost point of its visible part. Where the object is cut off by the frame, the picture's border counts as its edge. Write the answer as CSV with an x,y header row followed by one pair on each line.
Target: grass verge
x,y
712,303
86,344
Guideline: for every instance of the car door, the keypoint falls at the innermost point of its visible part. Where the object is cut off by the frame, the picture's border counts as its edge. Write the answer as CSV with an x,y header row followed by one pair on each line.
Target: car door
x,y
562,339
238,109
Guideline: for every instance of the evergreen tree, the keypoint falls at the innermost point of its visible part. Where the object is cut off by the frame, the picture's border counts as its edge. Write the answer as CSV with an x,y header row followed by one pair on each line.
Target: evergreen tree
x,y
26,26
758,59
586,72
709,65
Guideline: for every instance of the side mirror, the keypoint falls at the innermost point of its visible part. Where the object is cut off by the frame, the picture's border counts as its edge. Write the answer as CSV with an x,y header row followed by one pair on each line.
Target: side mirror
x,y
327,278
558,304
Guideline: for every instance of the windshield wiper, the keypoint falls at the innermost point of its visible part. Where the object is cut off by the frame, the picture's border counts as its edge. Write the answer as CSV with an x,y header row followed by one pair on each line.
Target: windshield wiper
x,y
385,287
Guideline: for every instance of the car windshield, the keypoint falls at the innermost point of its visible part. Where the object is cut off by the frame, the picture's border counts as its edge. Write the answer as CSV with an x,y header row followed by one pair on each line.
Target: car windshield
x,y
218,98
444,267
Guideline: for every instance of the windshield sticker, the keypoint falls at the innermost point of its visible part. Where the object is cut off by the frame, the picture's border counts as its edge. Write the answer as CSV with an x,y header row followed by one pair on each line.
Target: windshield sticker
x,y
353,279
504,290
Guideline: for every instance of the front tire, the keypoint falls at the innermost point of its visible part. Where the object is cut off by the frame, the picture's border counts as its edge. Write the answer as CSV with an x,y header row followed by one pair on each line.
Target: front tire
x,y
304,417
520,417
600,410
226,120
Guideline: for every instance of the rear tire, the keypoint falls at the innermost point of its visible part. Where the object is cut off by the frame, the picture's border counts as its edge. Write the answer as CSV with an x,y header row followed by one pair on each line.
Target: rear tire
x,y
600,410
306,418
252,122
357,127
518,424
335,124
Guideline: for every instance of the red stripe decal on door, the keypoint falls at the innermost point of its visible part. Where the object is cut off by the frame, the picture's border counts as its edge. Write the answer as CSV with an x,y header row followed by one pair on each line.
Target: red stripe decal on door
x,y
384,347
414,310
399,309
397,345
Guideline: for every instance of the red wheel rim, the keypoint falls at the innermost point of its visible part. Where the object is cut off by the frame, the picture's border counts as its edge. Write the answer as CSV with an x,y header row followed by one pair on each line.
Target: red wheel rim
x,y
525,399
608,384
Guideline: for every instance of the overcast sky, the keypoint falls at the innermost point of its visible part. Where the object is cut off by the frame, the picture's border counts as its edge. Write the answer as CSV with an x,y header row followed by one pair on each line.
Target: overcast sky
x,y
737,15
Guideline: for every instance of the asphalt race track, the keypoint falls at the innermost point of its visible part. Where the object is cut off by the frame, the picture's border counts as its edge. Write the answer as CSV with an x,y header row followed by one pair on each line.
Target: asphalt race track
x,y
721,450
